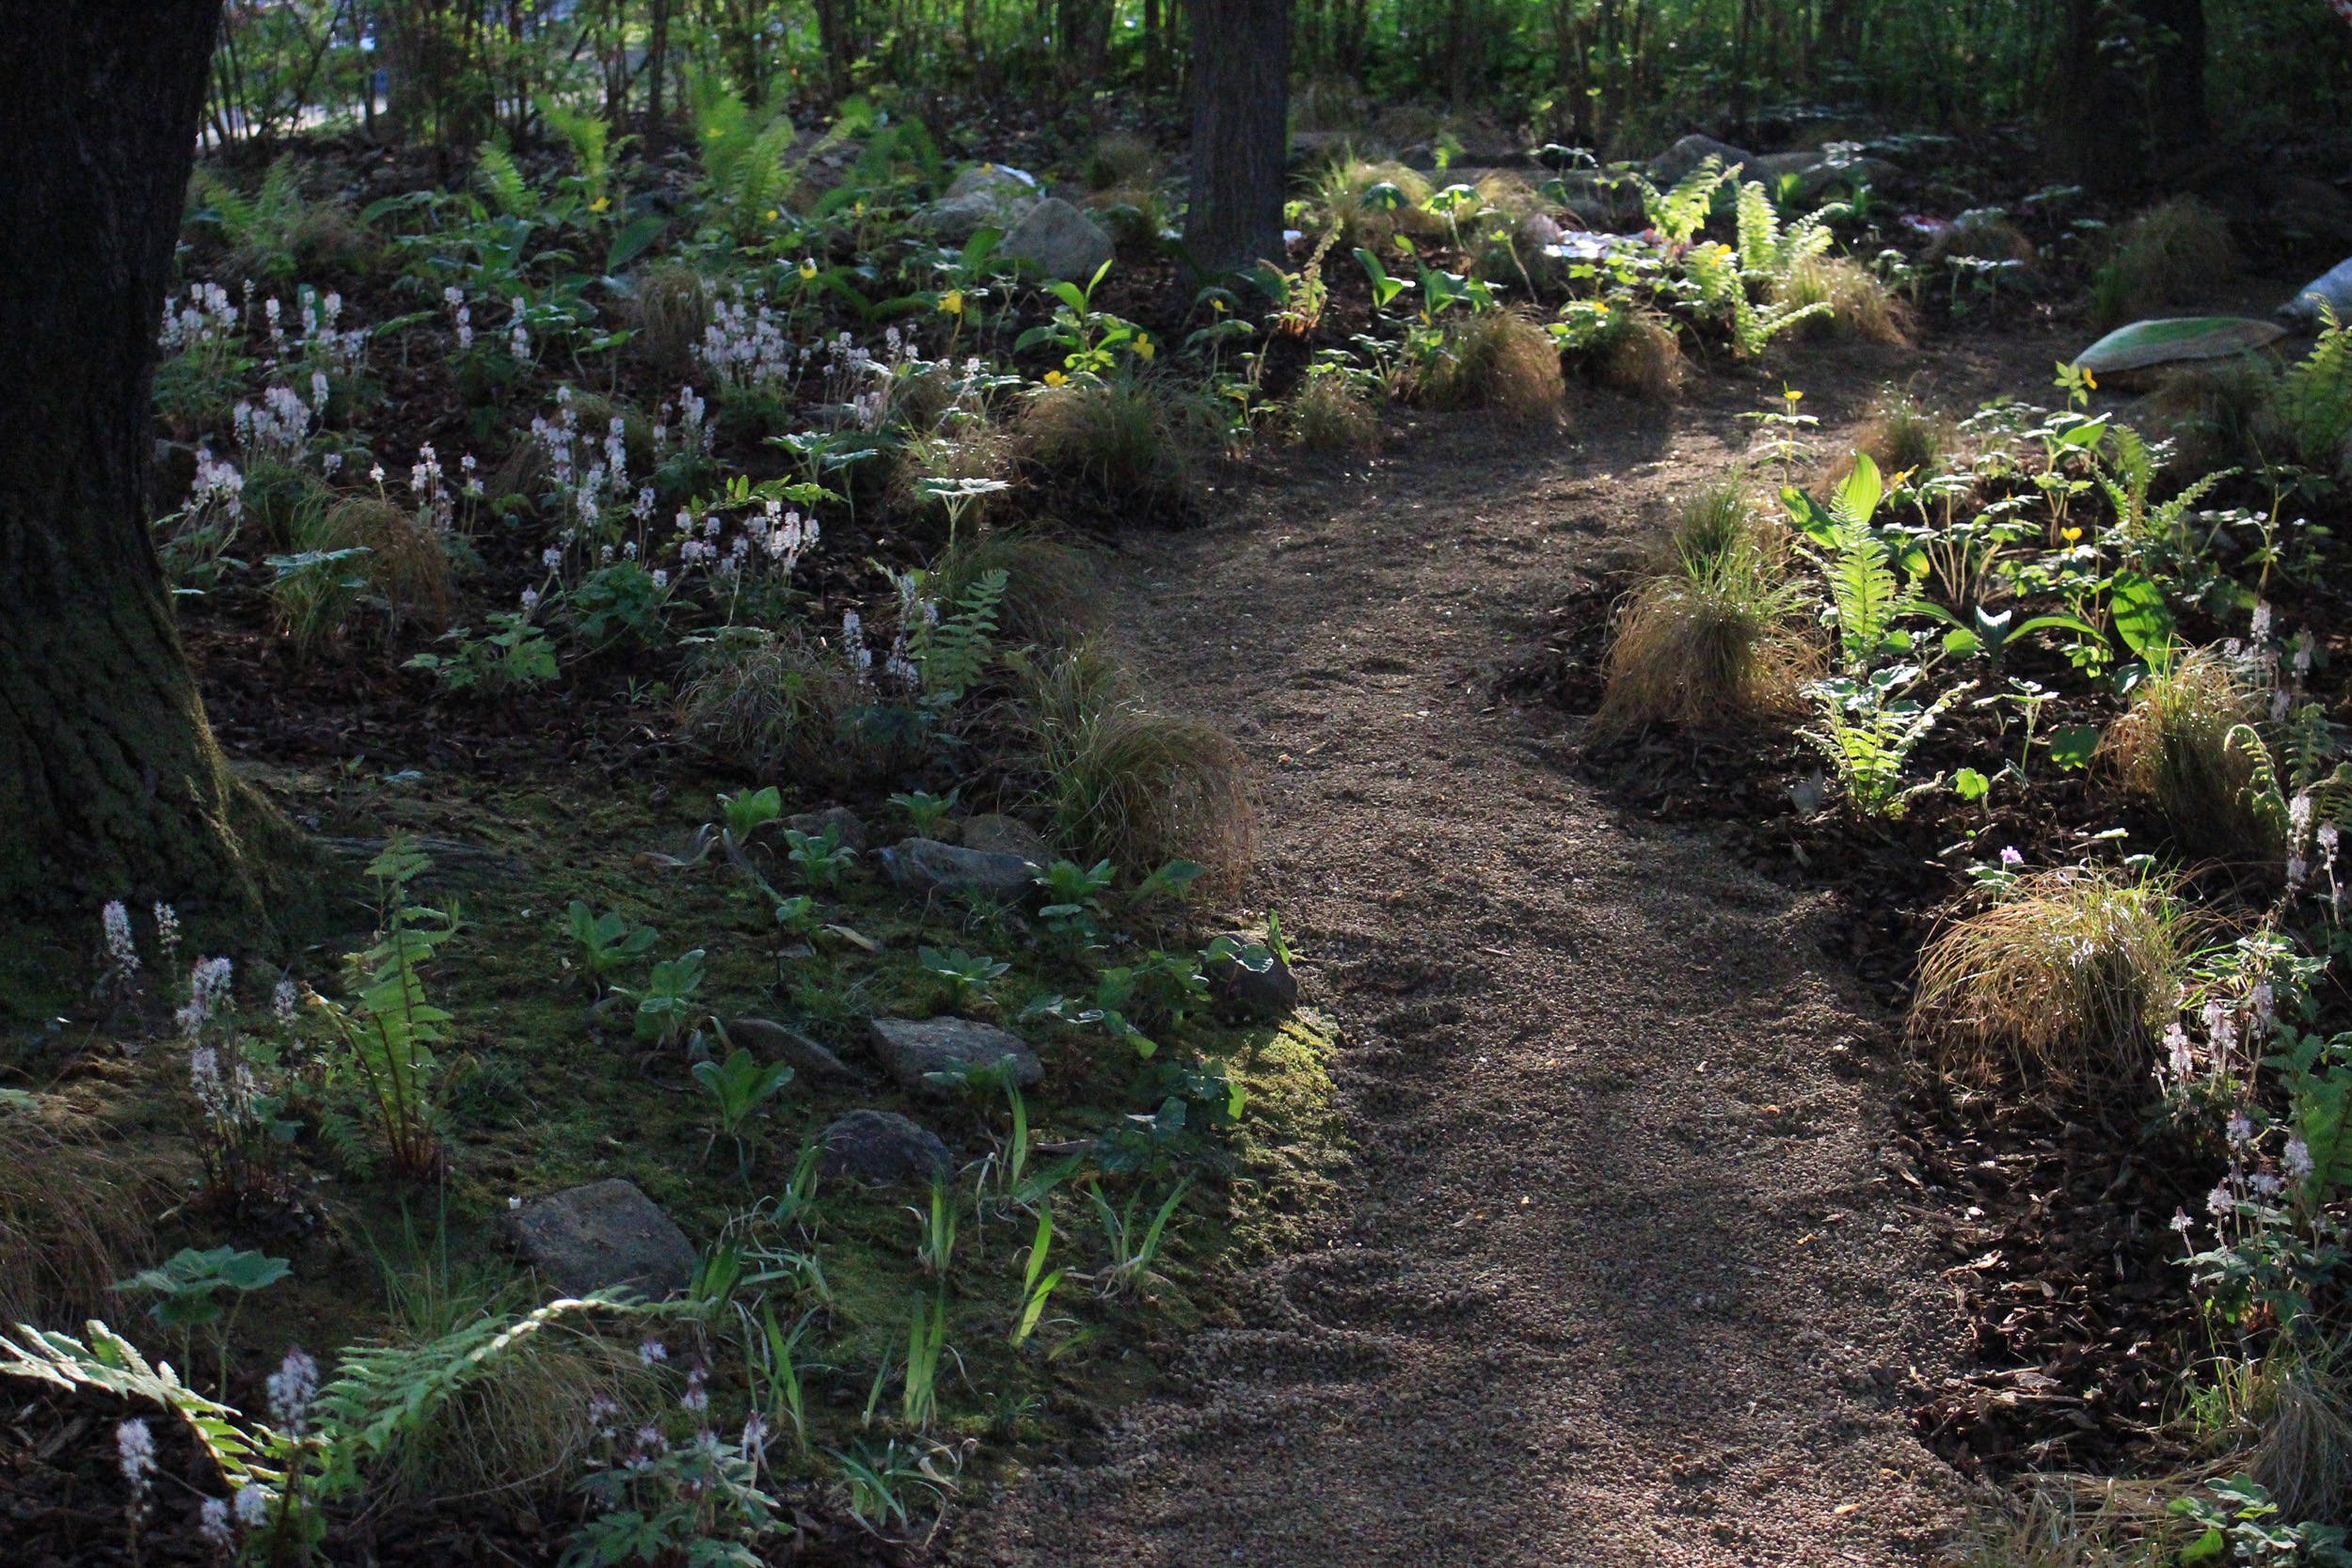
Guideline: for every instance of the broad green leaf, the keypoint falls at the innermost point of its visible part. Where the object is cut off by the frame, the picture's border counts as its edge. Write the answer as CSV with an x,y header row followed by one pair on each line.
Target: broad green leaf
x,y
2142,616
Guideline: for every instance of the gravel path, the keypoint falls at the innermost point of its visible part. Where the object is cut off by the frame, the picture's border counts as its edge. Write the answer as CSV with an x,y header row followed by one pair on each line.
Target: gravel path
x,y
1618,1276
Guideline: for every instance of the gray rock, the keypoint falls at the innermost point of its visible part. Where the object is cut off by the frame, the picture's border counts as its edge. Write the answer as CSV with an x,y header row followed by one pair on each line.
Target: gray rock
x,y
815,822
1058,241
1816,173
1269,993
910,1048
881,1146
2332,288
1691,151
986,196
992,833
776,1042
600,1236
926,863
1602,201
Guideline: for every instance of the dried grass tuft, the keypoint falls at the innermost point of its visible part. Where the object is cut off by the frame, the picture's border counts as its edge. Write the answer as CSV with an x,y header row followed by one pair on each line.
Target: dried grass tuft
x,y
1712,643
72,1222
1331,412
1125,781
1121,440
1639,352
2171,749
1498,360
2068,980
773,707
1860,304
2176,253
672,310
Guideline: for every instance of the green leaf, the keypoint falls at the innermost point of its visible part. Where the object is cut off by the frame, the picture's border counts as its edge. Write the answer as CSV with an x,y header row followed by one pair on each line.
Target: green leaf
x,y
2071,744
633,241
1971,785
2142,615
1858,498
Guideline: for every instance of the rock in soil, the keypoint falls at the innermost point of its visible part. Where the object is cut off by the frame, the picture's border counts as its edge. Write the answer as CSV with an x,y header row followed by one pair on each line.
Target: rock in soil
x,y
988,195
993,833
910,1048
881,1146
1060,241
814,823
602,1235
776,1042
1269,993
926,862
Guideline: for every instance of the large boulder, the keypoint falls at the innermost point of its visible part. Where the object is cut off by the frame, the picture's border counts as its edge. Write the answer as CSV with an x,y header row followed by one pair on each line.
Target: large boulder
x,y
603,1236
912,1047
1686,154
986,196
881,1146
2332,289
1058,241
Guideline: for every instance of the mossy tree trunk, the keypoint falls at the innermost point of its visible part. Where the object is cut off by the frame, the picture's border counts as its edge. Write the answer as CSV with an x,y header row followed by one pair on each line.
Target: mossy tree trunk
x,y
1240,134
110,782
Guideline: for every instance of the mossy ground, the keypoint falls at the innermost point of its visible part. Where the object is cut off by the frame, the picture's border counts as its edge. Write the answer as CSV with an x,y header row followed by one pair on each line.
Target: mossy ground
x,y
545,1086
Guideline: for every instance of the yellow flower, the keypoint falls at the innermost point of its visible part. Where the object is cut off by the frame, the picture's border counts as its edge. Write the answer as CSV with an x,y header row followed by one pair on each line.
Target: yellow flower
x,y
1793,394
772,214
1219,306
600,204
808,269
1054,378
2070,534
951,303
1146,347
2090,381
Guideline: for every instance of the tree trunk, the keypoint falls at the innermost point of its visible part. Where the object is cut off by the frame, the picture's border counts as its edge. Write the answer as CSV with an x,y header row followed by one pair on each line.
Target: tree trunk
x,y
110,784
2096,129
1240,133
2178,43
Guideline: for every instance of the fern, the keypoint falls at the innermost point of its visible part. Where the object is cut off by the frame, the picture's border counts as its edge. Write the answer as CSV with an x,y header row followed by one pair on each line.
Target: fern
x,y
503,178
589,137
380,1395
1868,730
262,227
1765,249
742,152
388,1033
1679,213
954,652
1724,289
2316,398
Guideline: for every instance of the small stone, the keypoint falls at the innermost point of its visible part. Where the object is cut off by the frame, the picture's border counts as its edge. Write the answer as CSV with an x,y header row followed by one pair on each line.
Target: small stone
x,y
1058,241
910,1048
1269,993
601,1236
926,862
814,823
776,1042
881,1146
992,833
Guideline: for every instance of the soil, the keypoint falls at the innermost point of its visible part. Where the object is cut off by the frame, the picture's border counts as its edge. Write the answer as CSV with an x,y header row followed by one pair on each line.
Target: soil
x,y
1636,1260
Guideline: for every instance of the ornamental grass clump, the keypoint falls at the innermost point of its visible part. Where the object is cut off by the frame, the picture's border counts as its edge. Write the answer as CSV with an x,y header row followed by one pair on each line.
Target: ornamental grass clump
x,y
2067,980
1860,305
1499,360
1052,594
1334,413
2174,751
1124,782
1714,641
2174,254
1118,440
773,704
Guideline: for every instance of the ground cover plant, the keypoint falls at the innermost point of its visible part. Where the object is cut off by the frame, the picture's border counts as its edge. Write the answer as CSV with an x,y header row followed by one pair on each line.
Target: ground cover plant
x,y
640,495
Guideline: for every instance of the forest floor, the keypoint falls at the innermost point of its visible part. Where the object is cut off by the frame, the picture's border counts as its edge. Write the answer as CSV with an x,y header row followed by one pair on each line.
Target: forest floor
x,y
1620,1273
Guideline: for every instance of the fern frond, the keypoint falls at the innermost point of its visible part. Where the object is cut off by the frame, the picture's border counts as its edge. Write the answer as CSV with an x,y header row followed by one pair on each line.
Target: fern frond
x,y
503,178
113,1365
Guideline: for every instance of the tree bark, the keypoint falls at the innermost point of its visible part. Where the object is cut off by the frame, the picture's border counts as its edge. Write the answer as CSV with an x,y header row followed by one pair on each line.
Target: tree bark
x,y
110,782
1240,133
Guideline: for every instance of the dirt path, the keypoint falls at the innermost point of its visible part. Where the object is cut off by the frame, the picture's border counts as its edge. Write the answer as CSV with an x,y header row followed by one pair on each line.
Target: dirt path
x,y
1620,1278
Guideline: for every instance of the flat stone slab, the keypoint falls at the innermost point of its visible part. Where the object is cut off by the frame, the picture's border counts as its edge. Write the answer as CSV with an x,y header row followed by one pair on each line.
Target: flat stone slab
x,y
881,1146
1058,240
602,1236
993,833
910,1048
926,862
2174,339
777,1042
